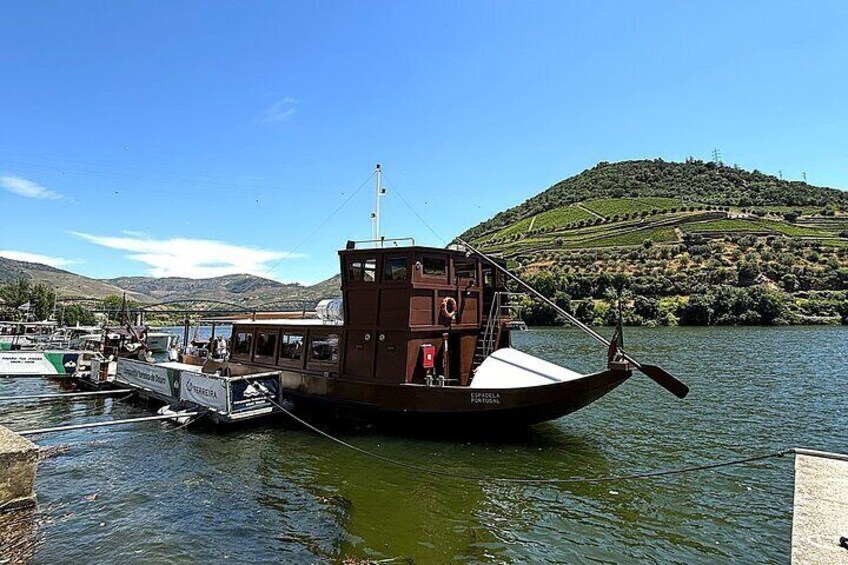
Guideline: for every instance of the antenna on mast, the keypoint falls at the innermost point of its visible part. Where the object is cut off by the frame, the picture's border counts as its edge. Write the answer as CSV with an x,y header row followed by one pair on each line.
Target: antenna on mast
x,y
375,215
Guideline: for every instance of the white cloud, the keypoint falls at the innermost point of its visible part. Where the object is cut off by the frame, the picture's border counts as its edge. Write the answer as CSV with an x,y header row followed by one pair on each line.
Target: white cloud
x,y
192,258
57,262
27,188
279,111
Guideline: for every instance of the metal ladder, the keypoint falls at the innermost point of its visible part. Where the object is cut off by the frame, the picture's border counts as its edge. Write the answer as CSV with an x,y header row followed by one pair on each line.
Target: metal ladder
x,y
488,340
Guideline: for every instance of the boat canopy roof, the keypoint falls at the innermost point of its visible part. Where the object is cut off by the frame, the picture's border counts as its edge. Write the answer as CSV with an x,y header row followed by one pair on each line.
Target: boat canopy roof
x,y
285,322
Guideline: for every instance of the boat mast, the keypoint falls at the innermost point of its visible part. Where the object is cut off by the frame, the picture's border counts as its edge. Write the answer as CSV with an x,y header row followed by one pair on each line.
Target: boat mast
x,y
375,216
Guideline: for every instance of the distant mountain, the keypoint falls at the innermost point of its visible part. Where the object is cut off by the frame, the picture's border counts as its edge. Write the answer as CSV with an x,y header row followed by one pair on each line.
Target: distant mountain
x,y
244,290
67,284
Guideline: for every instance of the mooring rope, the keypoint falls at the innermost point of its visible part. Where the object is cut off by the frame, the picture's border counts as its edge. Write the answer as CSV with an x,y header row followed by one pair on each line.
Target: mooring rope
x,y
190,420
518,480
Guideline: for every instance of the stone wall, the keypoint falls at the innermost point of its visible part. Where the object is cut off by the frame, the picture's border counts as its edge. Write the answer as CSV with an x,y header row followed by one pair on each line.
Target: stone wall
x,y
18,462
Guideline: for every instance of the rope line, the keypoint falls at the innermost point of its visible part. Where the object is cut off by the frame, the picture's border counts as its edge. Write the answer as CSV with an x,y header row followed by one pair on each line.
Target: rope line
x,y
312,233
412,209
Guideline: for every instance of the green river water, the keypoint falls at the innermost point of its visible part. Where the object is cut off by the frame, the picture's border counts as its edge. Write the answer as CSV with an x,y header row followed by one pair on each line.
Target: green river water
x,y
275,493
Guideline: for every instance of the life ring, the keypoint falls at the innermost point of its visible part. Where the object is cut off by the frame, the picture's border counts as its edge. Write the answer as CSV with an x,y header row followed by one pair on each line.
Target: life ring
x,y
449,307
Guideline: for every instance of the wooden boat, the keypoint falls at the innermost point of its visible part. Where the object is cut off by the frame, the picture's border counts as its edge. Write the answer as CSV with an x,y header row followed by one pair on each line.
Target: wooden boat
x,y
421,335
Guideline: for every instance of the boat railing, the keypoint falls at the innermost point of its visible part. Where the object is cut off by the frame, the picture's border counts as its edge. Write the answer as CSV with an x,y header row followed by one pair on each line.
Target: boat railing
x,y
380,243
500,307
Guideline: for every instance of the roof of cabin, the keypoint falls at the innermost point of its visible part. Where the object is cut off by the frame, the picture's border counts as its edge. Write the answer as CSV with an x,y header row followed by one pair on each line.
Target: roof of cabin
x,y
286,322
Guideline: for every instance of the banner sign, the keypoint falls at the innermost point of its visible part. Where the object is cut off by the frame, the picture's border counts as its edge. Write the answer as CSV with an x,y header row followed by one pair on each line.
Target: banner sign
x,y
204,391
245,391
38,362
145,375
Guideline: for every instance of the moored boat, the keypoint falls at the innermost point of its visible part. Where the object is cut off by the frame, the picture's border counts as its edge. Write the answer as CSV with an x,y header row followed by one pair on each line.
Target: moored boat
x,y
420,335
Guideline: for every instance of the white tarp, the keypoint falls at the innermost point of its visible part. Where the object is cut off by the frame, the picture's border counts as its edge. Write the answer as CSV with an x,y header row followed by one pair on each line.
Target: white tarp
x,y
510,368
144,375
25,363
203,390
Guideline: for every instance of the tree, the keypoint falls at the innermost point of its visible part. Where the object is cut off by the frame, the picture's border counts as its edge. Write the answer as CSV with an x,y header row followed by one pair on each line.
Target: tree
x,y
43,300
747,272
646,308
769,304
697,312
76,314
112,306
16,292
41,297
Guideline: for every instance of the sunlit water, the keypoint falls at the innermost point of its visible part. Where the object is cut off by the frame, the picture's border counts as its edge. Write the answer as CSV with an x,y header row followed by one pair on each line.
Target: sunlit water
x,y
145,493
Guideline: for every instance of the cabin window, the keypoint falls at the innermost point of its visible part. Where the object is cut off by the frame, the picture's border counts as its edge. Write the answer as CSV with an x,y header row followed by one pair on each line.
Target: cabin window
x,y
325,348
266,344
434,267
465,270
243,342
291,346
362,270
396,269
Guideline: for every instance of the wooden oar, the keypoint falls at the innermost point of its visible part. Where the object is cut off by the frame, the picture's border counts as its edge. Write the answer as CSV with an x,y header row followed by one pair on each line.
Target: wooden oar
x,y
657,374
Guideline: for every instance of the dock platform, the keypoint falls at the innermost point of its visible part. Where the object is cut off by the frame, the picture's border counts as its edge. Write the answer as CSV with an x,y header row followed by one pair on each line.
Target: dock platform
x,y
820,520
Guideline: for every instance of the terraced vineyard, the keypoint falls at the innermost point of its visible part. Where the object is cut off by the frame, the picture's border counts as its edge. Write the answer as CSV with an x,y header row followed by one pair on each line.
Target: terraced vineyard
x,y
666,231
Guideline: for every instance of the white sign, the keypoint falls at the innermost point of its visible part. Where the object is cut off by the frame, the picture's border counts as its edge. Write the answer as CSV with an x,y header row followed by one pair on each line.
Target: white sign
x,y
203,390
25,363
144,375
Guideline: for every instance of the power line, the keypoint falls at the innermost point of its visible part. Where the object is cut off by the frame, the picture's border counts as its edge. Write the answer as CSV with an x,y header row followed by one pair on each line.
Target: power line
x,y
310,234
412,209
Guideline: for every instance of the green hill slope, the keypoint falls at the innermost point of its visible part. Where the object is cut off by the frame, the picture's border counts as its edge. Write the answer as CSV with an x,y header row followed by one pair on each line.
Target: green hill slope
x,y
663,185
664,231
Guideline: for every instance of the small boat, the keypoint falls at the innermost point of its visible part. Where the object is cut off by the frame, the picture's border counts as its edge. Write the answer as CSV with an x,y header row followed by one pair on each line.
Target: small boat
x,y
42,349
25,335
160,342
49,362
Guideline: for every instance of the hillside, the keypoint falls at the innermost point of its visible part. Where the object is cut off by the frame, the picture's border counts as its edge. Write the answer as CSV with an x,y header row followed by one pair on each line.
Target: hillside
x,y
663,232
245,290
67,284
692,182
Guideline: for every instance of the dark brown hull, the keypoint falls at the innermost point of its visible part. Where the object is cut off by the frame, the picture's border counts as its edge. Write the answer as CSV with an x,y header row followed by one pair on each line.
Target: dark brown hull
x,y
449,405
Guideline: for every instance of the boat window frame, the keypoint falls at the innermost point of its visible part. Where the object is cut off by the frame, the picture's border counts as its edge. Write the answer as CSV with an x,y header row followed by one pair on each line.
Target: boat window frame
x,y
475,282
313,335
387,260
363,259
251,332
433,279
265,358
288,361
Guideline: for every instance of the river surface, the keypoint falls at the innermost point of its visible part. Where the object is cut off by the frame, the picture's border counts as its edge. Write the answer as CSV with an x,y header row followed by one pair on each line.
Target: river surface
x,y
147,493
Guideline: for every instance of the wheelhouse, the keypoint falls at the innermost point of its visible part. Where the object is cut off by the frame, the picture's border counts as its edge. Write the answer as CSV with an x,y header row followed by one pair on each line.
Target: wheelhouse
x,y
408,313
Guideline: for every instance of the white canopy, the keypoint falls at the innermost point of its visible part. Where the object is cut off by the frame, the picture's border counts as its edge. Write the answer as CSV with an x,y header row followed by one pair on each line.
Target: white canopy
x,y
510,368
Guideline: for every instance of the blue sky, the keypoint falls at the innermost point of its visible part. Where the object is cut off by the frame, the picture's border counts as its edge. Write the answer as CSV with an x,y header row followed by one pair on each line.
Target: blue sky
x,y
198,138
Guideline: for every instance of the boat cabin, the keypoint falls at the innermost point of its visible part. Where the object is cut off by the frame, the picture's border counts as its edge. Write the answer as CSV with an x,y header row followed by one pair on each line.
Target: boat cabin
x,y
414,315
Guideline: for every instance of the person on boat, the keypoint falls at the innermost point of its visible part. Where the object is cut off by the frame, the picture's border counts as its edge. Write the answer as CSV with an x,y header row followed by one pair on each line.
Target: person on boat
x,y
221,349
